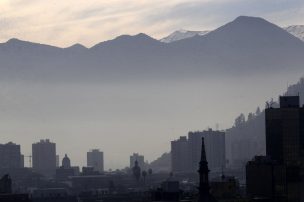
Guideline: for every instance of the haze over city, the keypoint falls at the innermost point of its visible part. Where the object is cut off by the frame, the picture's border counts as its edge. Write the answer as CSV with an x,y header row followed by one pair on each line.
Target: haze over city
x,y
81,101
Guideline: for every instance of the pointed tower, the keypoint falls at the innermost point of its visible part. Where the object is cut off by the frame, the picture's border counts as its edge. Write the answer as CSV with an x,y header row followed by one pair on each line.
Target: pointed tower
x,y
66,162
204,195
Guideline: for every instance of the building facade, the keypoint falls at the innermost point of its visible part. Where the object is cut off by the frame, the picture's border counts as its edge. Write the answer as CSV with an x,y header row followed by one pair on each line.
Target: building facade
x,y
266,179
279,175
95,160
186,152
215,149
10,156
285,131
180,155
44,157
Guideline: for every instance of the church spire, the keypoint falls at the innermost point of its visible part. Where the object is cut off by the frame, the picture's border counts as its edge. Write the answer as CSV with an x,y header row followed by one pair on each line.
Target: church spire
x,y
204,195
203,171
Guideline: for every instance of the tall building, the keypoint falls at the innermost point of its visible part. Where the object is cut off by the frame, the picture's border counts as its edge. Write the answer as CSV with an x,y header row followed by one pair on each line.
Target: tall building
x,y
280,174
44,157
180,155
215,149
10,156
140,160
95,160
285,131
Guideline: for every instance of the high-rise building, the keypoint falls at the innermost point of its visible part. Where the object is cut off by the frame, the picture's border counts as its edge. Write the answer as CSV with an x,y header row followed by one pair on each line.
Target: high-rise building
x,y
280,174
44,157
140,160
95,160
180,155
10,156
215,149
285,131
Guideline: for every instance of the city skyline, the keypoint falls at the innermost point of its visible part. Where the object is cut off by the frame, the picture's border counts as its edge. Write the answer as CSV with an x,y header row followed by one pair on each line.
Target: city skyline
x,y
69,99
140,100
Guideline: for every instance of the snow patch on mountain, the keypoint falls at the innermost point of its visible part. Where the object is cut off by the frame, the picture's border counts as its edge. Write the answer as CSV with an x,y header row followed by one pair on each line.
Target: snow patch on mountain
x,y
296,30
182,34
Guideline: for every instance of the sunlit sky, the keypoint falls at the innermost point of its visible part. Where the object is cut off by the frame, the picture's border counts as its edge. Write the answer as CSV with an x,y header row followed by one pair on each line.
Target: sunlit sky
x,y
63,23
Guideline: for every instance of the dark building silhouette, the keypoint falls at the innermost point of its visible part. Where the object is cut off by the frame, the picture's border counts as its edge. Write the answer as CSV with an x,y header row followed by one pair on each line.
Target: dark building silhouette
x,y
140,159
225,187
285,131
285,142
279,176
5,185
204,188
66,162
136,171
266,179
185,153
10,156
6,191
180,155
214,146
44,157
169,191
95,160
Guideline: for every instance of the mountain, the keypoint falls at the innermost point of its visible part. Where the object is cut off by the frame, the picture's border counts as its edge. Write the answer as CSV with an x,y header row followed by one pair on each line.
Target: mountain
x,y
247,44
296,30
77,48
182,34
244,46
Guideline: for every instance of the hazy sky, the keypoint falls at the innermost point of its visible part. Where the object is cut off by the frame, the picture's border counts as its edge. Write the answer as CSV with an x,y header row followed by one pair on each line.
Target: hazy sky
x,y
124,118
66,22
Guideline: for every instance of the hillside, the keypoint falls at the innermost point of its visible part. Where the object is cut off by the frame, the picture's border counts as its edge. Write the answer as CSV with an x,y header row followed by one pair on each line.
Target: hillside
x,y
247,137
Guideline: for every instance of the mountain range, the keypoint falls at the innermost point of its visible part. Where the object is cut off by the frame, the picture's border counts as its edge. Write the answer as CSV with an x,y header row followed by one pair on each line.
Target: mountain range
x,y
244,46
296,30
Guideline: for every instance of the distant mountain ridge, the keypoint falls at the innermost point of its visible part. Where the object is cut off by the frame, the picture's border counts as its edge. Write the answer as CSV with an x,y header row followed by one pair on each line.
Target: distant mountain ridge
x,y
244,46
296,30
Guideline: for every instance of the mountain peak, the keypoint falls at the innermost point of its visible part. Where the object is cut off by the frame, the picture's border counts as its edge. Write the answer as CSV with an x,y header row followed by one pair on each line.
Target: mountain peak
x,y
77,46
140,36
140,39
13,40
16,41
246,18
249,21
